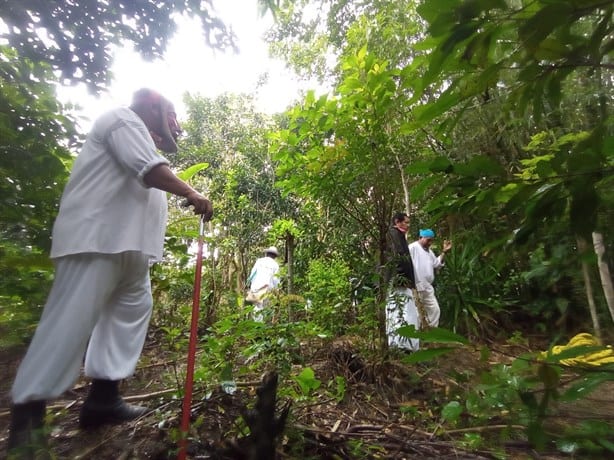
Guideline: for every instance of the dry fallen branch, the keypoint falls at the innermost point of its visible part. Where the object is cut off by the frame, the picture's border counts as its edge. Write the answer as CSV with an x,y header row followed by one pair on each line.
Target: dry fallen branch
x,y
481,429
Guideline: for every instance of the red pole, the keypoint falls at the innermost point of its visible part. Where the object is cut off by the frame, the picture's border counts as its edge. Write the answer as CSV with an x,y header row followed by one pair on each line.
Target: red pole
x,y
189,379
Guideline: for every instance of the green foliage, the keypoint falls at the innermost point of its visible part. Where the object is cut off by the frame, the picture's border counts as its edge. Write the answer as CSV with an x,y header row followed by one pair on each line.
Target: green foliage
x,y
536,214
592,437
190,172
174,327
284,227
525,393
547,280
33,159
236,345
306,32
469,287
480,38
451,412
33,166
331,145
473,441
341,152
328,292
307,381
476,43
339,385
230,136
433,335
555,185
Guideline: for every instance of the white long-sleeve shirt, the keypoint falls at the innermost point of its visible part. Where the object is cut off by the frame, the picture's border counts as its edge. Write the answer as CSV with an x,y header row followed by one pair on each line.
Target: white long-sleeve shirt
x,y
263,274
106,207
425,263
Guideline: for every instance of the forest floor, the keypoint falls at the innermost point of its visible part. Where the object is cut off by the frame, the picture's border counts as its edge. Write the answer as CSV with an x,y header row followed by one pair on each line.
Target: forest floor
x,y
387,405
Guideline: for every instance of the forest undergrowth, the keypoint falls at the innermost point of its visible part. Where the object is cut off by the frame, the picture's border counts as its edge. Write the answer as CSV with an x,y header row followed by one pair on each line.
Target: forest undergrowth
x,y
347,406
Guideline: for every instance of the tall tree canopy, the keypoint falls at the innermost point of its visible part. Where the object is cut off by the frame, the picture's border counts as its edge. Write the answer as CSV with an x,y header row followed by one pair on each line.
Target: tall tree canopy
x,y
74,38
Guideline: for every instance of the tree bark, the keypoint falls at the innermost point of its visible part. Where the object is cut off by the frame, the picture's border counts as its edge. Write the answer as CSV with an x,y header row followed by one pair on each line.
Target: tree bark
x,y
604,272
582,248
290,262
264,424
406,200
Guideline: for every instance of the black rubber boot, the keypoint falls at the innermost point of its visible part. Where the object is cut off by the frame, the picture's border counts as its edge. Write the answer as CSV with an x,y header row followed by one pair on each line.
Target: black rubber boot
x,y
27,437
105,406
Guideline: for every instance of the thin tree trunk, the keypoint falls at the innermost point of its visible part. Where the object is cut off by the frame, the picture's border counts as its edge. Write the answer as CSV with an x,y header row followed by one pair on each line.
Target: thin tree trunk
x,y
290,272
604,272
382,290
582,248
404,183
290,262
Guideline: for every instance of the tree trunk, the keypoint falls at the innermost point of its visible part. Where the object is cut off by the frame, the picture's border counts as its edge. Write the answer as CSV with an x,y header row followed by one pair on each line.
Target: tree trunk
x,y
265,426
582,247
604,272
290,261
406,202
382,289
290,272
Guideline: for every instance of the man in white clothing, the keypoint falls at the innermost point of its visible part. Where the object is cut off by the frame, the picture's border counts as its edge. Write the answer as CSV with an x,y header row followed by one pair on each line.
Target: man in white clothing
x,y
262,279
426,263
109,229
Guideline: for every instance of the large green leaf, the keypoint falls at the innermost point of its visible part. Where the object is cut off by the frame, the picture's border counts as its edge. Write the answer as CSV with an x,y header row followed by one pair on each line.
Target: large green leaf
x,y
586,385
437,164
190,172
436,334
437,108
533,31
431,10
480,166
583,209
421,356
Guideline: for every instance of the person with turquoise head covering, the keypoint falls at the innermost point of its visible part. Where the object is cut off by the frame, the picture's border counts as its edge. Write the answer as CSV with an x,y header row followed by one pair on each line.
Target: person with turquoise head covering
x,y
426,264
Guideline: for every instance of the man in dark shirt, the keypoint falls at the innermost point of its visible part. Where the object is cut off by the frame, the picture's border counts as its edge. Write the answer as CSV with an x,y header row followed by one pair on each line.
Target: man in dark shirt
x,y
400,307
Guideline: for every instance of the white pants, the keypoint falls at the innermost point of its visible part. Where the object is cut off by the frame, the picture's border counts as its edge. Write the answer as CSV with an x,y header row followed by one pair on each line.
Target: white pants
x,y
430,304
401,311
257,312
260,312
103,299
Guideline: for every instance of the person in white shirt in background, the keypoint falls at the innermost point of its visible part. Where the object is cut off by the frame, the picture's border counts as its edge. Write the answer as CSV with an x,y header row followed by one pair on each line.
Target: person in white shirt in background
x,y
426,264
262,280
109,229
